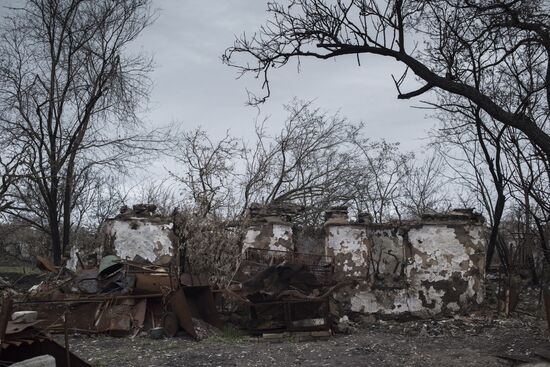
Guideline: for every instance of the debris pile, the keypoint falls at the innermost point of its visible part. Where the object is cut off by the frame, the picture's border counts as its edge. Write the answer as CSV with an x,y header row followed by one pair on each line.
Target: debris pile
x,y
284,291
121,297
21,339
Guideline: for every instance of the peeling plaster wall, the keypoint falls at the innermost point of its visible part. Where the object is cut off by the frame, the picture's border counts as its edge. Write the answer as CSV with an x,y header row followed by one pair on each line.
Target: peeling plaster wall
x,y
349,246
139,236
251,238
269,236
281,240
448,266
387,252
422,270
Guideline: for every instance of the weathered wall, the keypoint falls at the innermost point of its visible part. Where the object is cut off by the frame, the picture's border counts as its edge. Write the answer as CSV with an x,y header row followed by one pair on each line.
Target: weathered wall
x,y
269,229
434,266
348,244
388,253
139,236
128,237
269,236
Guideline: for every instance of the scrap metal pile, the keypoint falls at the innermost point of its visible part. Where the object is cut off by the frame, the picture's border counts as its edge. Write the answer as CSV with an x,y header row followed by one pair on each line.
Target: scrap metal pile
x,y
21,339
284,291
121,297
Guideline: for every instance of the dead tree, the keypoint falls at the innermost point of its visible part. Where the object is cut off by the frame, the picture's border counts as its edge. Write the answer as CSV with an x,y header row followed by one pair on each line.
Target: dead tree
x,y
392,28
69,91
10,167
423,187
382,168
206,168
476,142
311,162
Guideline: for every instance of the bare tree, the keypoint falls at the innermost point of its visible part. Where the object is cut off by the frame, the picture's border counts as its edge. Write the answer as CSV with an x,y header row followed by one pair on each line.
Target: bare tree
x,y
422,190
530,184
10,167
382,170
310,162
208,170
437,40
70,91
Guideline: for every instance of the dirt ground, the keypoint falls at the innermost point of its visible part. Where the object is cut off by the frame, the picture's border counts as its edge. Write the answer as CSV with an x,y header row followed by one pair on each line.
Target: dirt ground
x,y
471,341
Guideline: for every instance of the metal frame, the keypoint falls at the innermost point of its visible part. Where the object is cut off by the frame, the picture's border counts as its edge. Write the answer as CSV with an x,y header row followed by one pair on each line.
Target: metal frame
x,y
289,309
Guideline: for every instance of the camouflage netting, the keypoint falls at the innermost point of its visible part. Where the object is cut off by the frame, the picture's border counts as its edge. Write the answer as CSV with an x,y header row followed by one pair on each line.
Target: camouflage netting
x,y
211,247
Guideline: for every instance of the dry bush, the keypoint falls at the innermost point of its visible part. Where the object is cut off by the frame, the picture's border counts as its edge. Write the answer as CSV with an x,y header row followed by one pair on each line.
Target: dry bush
x,y
210,246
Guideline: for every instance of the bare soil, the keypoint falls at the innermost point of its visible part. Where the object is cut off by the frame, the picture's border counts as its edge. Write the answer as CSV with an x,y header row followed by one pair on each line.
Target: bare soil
x,y
471,341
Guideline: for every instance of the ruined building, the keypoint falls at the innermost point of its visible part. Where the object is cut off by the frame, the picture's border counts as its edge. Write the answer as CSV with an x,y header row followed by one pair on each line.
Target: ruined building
x,y
420,268
138,231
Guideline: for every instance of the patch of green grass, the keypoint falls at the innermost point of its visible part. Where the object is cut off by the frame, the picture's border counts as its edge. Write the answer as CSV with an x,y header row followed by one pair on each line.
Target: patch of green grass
x,y
20,269
229,333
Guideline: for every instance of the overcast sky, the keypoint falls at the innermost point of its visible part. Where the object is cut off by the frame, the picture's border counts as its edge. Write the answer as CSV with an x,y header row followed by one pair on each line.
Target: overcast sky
x,y
192,86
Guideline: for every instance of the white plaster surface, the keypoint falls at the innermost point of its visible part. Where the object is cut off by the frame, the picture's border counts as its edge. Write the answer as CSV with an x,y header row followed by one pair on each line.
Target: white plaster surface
x,y
280,236
250,238
387,251
343,241
148,240
280,232
439,253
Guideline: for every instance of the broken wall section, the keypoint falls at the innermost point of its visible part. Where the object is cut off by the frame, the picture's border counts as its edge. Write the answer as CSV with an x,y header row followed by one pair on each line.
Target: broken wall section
x,y
134,233
269,229
420,268
348,244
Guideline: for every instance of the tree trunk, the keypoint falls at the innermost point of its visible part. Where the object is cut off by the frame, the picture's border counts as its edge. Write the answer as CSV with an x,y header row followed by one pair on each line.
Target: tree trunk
x,y
67,203
493,239
55,237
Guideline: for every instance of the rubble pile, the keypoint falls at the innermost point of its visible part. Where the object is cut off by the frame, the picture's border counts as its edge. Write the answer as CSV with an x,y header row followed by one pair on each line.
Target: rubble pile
x,y
121,297
284,291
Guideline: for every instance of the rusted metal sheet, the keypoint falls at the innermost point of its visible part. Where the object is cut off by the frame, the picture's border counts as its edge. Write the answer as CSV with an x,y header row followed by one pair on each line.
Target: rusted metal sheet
x,y
123,317
152,283
179,305
139,312
113,299
201,303
114,318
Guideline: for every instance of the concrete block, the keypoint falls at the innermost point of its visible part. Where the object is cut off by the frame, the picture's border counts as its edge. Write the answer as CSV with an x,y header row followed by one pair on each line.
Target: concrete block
x,y
40,361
